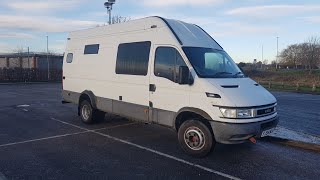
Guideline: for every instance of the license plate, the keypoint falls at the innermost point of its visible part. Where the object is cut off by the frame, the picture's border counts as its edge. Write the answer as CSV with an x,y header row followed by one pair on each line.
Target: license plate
x,y
267,132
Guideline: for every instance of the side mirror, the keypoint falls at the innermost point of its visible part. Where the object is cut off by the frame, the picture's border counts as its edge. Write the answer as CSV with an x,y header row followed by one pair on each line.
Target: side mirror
x,y
184,76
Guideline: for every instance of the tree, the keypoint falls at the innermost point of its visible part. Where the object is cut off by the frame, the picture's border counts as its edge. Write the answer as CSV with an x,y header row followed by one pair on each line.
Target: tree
x,y
242,64
19,52
290,55
116,20
307,54
313,48
119,19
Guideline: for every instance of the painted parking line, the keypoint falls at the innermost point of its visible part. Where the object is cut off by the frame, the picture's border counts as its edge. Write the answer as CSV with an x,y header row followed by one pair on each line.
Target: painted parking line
x,y
2,177
11,93
63,135
42,139
156,152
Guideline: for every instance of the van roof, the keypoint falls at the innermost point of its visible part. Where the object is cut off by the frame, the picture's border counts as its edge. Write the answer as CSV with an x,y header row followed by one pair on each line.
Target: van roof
x,y
186,34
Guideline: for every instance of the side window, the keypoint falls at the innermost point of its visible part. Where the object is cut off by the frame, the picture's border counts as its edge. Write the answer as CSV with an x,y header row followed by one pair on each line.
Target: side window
x,y
91,49
69,58
167,62
133,58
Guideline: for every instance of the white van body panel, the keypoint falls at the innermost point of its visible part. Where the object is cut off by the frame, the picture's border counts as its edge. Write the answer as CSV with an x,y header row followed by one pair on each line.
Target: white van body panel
x,y
248,93
130,96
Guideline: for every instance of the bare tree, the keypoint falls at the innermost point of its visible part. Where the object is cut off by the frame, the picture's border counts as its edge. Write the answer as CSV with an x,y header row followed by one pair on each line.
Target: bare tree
x,y
119,19
19,52
313,46
116,20
290,55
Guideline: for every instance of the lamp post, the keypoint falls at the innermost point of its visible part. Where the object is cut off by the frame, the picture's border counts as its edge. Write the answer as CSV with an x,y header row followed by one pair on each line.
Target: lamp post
x,y
48,58
108,5
277,52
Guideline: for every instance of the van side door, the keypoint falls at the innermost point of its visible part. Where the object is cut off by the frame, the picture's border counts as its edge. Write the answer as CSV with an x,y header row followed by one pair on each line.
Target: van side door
x,y
131,81
167,96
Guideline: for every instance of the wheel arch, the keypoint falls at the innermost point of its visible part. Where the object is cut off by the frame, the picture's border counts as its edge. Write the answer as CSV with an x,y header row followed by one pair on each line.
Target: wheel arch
x,y
87,95
183,114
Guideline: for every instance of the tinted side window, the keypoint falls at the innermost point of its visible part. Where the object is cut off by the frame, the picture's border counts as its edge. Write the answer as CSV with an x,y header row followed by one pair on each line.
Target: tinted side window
x,y
69,57
133,58
167,62
91,49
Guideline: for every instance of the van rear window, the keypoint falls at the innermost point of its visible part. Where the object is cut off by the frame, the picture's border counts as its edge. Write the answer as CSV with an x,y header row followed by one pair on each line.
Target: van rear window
x,y
91,49
133,58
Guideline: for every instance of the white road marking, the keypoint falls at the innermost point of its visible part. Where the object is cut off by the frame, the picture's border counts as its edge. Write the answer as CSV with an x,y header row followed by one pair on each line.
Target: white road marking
x,y
70,124
23,105
63,135
26,110
170,156
12,93
156,152
2,177
41,139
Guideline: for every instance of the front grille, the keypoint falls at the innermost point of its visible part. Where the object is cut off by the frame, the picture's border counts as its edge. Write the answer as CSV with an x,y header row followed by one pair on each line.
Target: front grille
x,y
265,111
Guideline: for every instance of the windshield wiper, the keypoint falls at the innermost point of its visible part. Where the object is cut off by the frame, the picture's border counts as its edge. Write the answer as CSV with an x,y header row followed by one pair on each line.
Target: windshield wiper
x,y
220,73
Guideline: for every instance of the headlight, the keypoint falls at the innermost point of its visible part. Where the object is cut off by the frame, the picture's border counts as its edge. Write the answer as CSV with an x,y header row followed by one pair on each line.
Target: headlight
x,y
229,113
236,113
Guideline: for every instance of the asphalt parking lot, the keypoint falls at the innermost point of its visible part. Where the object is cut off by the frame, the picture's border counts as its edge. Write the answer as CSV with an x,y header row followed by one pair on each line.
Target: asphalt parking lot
x,y
40,138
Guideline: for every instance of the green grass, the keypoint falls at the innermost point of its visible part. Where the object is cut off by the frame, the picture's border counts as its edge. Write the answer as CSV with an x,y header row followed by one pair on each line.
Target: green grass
x,y
287,80
290,88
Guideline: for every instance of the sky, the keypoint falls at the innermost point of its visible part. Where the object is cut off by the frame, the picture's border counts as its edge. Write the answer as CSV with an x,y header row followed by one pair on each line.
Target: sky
x,y
246,29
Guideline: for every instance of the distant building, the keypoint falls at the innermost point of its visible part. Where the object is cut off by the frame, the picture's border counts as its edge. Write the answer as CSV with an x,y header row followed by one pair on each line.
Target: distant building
x,y
31,61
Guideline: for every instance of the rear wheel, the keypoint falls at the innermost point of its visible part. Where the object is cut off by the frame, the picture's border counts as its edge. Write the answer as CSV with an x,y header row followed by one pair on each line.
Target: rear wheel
x,y
195,138
88,114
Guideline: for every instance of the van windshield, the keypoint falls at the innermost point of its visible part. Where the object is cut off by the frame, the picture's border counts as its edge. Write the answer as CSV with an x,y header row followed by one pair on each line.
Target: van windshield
x,y
212,63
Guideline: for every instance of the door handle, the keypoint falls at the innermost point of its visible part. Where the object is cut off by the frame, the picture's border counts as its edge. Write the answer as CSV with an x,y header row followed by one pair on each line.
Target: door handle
x,y
152,87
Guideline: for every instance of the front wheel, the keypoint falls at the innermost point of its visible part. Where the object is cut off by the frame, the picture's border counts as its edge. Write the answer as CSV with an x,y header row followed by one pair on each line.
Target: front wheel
x,y
195,138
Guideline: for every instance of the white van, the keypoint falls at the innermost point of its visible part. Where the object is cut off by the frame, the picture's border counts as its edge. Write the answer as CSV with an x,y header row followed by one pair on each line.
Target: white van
x,y
170,73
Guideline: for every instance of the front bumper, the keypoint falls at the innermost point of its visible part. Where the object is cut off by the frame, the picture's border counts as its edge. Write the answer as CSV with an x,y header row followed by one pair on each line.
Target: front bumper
x,y
235,133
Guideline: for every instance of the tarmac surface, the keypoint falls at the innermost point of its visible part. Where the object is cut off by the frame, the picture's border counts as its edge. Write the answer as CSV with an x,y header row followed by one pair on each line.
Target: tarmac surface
x,y
299,112
40,138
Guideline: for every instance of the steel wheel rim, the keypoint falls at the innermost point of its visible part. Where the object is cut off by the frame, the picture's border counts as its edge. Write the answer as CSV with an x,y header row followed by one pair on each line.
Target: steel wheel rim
x,y
194,138
85,112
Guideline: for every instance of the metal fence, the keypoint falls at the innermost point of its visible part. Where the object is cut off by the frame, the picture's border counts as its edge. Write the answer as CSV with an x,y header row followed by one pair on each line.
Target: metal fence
x,y
29,75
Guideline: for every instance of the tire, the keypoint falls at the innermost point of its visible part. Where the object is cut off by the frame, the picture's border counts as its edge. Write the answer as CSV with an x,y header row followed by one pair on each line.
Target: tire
x,y
195,138
88,114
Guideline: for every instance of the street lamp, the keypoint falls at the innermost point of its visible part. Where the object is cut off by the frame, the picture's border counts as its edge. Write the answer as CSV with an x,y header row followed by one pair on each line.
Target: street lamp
x,y
277,53
108,5
48,58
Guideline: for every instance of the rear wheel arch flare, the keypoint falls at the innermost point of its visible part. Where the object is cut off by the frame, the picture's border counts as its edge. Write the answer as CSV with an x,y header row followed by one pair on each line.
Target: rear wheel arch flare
x,y
87,95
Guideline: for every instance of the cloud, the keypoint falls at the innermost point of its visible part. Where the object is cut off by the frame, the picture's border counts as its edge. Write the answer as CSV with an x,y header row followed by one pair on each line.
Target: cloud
x,y
4,47
40,6
273,10
15,35
43,23
60,47
237,28
312,19
163,3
